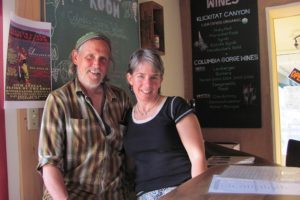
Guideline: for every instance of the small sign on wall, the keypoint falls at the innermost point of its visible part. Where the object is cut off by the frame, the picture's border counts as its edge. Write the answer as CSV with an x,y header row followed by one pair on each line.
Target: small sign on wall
x,y
295,76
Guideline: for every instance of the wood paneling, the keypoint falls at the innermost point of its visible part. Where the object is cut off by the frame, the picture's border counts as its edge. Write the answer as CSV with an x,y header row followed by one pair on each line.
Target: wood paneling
x,y
29,9
185,15
31,184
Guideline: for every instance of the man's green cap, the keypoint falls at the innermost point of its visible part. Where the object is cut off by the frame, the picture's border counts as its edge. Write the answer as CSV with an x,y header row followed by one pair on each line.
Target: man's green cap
x,y
90,36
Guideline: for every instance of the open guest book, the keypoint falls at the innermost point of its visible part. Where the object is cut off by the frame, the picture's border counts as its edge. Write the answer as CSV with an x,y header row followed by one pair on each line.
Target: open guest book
x,y
257,180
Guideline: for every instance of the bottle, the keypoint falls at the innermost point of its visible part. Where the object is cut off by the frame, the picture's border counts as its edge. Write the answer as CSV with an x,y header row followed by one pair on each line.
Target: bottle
x,y
156,41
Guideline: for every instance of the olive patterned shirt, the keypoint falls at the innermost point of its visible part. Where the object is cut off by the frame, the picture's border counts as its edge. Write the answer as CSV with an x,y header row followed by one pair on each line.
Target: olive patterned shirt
x,y
86,147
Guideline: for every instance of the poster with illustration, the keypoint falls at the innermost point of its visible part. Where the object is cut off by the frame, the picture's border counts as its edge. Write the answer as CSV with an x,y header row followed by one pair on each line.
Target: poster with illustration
x,y
28,69
226,65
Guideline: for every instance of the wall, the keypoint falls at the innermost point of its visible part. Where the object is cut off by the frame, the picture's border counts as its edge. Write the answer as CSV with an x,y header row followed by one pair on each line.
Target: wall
x,y
21,143
258,141
176,59
172,85
3,159
173,60
10,116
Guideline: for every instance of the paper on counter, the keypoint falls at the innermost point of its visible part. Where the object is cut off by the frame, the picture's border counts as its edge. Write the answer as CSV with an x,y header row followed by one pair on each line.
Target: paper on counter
x,y
257,180
222,184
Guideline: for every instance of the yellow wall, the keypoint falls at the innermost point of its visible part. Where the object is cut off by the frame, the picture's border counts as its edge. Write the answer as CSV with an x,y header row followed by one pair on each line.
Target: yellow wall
x,y
173,61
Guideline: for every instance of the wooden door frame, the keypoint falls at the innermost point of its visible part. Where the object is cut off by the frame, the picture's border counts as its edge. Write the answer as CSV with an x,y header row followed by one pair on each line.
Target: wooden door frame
x,y
272,13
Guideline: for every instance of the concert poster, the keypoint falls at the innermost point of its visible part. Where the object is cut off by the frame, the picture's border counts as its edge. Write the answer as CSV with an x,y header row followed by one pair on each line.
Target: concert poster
x,y
28,68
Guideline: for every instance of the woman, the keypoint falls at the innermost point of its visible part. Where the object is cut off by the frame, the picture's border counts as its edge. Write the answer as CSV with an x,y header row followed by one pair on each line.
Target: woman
x,y
164,138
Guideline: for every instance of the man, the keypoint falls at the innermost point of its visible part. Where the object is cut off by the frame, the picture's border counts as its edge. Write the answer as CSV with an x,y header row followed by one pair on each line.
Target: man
x,y
23,73
80,145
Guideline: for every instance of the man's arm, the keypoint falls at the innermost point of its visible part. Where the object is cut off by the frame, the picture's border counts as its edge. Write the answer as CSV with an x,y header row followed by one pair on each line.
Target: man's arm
x,y
54,182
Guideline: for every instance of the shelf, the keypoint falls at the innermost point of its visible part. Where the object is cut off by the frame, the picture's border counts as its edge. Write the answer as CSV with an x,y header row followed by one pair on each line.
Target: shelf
x,y
152,26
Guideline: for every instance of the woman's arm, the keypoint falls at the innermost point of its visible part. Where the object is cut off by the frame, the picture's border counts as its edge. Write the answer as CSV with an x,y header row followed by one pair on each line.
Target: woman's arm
x,y
191,136
54,182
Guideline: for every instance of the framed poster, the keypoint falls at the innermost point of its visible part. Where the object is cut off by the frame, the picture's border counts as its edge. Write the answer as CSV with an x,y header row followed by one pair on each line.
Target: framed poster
x,y
225,53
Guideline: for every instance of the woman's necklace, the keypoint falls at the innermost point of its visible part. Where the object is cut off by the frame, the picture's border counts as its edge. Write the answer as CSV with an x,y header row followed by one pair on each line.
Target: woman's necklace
x,y
146,112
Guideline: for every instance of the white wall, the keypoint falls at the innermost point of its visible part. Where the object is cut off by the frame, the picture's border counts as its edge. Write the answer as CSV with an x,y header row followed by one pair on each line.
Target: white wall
x,y
173,61
10,118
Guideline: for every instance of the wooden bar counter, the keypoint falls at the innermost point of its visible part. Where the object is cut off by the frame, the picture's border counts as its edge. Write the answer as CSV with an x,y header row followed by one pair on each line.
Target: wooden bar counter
x,y
197,188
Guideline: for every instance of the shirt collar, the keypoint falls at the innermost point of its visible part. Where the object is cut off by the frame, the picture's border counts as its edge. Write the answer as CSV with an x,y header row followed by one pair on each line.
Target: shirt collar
x,y
108,92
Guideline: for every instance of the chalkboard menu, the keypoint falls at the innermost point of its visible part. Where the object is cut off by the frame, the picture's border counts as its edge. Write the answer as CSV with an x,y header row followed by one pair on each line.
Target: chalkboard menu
x,y
72,18
225,53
